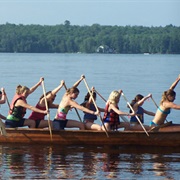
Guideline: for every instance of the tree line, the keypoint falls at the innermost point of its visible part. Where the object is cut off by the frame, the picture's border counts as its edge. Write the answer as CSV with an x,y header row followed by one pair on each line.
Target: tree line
x,y
67,38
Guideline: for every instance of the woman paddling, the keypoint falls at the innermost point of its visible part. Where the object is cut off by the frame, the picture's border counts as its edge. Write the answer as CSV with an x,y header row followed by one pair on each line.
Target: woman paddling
x,y
166,104
19,105
136,104
112,113
50,97
90,118
67,102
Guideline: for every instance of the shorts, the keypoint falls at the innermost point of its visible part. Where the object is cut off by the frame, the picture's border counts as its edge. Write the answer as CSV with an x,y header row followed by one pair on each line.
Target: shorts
x,y
59,124
37,123
14,124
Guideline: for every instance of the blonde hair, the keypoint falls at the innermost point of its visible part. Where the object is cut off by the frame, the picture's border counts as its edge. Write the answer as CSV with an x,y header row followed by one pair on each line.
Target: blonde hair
x,y
72,90
114,97
21,89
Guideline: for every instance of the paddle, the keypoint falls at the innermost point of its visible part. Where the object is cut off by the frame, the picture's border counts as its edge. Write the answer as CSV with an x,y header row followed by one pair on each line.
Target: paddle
x,y
74,108
100,95
96,106
2,128
8,102
156,105
122,117
135,115
46,104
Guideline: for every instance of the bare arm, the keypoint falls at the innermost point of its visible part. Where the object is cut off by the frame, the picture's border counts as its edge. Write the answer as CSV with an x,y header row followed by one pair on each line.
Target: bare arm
x,y
53,106
33,88
78,82
149,113
115,109
175,83
54,92
101,109
25,105
171,105
144,99
82,108
3,98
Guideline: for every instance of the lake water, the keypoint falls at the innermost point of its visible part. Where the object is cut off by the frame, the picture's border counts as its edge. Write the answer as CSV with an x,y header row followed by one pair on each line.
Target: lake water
x,y
133,74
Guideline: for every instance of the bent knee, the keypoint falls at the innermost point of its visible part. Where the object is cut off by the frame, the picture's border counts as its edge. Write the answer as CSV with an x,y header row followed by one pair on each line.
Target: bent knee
x,y
32,124
99,128
82,126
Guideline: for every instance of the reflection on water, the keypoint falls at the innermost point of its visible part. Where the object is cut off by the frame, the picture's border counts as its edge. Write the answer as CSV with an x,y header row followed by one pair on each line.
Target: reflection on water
x,y
88,162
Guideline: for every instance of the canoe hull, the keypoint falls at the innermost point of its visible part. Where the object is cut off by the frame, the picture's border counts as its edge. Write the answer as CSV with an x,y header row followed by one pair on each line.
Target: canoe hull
x,y
86,137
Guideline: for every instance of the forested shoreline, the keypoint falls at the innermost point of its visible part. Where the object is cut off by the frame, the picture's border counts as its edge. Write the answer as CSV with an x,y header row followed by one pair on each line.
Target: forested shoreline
x,y
67,38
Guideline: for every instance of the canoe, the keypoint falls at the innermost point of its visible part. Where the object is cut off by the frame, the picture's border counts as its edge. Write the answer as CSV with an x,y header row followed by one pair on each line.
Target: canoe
x,y
167,136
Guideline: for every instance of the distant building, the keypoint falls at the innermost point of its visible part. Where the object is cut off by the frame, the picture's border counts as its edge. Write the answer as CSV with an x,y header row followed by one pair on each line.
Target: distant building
x,y
104,49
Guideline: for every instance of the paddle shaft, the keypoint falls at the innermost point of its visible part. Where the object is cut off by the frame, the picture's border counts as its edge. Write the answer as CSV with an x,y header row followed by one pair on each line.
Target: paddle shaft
x,y
74,108
156,105
100,95
95,106
135,115
8,102
46,104
2,128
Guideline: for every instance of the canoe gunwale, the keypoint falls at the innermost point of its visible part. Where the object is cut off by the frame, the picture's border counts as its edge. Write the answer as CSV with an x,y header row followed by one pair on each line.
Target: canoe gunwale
x,y
89,137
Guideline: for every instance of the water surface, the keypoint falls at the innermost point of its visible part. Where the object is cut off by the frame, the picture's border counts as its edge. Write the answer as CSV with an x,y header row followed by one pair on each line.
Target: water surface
x,y
133,74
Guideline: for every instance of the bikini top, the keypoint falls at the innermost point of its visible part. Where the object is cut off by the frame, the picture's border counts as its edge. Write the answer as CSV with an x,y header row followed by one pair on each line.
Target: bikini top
x,y
164,112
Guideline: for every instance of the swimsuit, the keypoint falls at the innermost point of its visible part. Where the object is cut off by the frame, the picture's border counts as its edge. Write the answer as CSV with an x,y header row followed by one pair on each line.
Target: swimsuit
x,y
153,124
164,112
36,115
63,113
59,124
88,116
61,121
140,114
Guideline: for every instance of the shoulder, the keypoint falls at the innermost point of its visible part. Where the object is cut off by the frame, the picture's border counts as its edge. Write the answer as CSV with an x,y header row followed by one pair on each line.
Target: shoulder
x,y
167,105
135,105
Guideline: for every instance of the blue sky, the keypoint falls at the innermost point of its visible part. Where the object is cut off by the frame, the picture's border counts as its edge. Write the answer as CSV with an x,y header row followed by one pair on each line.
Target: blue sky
x,y
88,12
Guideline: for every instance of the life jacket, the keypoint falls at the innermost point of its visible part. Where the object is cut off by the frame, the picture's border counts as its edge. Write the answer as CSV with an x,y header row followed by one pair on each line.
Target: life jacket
x,y
17,111
111,117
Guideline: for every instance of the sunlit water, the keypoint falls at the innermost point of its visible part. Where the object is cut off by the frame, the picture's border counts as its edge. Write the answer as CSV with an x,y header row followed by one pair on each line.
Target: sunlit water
x,y
132,73
88,162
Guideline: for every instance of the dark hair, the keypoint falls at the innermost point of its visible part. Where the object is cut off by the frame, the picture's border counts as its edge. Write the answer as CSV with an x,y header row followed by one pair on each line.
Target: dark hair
x,y
137,97
49,92
46,95
86,98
